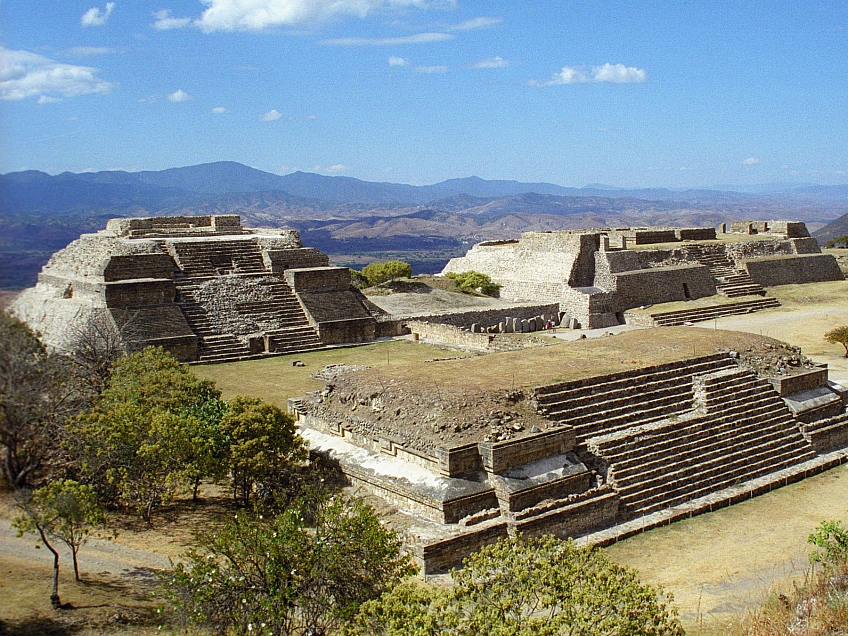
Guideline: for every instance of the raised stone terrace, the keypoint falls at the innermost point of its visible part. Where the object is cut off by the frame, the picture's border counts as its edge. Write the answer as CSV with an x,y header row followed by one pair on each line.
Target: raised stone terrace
x,y
573,438
597,275
203,287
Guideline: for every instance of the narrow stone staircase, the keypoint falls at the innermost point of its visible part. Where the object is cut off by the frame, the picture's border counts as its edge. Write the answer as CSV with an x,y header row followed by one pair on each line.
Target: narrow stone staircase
x,y
730,282
741,430
605,404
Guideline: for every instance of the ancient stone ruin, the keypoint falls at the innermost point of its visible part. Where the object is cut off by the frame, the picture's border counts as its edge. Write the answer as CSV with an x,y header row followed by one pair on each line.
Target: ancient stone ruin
x,y
472,454
203,287
596,275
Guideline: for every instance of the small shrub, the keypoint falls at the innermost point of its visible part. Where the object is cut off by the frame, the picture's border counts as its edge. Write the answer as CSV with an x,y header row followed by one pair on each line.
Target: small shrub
x,y
472,281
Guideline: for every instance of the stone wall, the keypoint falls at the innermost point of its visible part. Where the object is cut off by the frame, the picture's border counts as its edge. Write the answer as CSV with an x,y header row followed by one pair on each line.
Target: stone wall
x,y
788,385
661,285
792,270
501,456
175,225
279,260
790,229
441,556
318,278
449,335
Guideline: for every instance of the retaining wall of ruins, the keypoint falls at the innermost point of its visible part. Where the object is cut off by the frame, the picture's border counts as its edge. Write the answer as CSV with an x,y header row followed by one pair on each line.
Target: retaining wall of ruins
x,y
771,271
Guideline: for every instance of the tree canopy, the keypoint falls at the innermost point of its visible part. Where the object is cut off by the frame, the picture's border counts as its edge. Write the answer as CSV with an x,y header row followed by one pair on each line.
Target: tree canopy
x,y
146,434
263,445
517,587
838,336
305,570
377,273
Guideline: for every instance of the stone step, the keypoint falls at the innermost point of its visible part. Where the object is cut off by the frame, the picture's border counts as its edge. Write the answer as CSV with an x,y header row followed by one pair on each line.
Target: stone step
x,y
629,420
745,465
610,384
609,401
634,460
768,464
702,448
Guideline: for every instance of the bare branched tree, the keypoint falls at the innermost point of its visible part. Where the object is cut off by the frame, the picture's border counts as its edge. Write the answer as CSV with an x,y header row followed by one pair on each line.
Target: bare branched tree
x,y
36,396
95,347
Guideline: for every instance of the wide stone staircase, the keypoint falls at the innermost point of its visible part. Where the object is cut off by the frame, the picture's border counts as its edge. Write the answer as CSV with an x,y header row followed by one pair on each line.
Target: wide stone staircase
x,y
217,257
605,404
730,282
280,307
740,430
700,314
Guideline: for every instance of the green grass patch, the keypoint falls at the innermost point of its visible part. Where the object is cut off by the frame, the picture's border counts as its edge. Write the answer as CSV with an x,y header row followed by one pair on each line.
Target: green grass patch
x,y
276,380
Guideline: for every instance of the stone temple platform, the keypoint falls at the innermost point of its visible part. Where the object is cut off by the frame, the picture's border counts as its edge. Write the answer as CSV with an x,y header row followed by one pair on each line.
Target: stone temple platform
x,y
575,438
203,287
596,275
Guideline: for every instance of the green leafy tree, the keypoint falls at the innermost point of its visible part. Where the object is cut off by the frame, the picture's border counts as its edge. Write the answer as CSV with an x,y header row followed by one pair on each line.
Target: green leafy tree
x,y
838,336
263,447
474,281
62,510
539,586
377,273
358,278
302,571
831,539
397,269
146,435
36,396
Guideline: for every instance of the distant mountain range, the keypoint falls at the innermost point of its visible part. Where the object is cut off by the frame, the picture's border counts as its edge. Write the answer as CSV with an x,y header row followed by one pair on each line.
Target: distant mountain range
x,y
355,219
38,192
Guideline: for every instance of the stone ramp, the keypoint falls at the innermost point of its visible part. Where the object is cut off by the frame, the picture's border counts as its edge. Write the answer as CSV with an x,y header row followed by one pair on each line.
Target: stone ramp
x,y
604,404
740,431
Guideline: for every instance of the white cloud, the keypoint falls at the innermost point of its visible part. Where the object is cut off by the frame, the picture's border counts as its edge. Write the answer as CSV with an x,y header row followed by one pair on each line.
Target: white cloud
x,y
255,15
613,73
178,96
618,74
568,75
416,38
431,69
163,21
474,23
147,100
492,62
311,117
751,161
96,17
398,61
88,51
45,99
219,110
24,74
271,115
339,167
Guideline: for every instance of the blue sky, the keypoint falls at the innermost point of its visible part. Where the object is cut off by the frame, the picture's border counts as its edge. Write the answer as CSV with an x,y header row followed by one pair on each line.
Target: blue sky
x,y
643,93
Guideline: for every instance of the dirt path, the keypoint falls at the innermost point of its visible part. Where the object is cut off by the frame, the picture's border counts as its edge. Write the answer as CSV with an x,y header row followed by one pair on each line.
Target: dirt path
x,y
98,556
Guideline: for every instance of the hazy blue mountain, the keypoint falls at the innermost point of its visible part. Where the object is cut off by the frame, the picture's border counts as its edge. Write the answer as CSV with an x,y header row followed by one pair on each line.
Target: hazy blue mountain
x,y
839,227
151,191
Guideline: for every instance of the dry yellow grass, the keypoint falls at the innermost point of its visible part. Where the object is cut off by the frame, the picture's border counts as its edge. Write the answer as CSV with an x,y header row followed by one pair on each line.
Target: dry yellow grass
x,y
721,564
